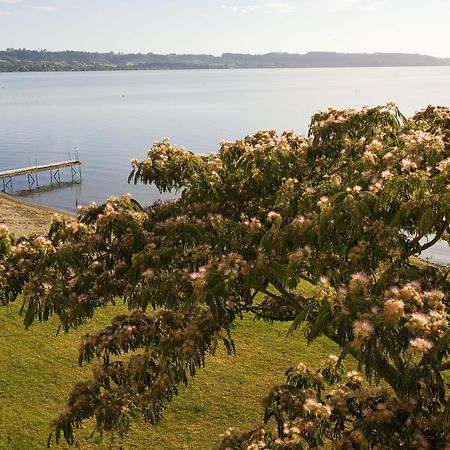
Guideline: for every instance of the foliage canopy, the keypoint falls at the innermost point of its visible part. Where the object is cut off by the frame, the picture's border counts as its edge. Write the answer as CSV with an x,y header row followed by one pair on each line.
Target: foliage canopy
x,y
341,210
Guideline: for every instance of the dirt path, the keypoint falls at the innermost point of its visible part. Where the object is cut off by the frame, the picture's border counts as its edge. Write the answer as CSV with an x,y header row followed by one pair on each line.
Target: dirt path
x,y
23,218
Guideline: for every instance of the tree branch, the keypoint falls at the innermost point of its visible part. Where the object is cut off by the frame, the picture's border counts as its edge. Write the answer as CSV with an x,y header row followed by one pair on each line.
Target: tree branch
x,y
429,244
283,291
271,295
306,278
434,240
444,366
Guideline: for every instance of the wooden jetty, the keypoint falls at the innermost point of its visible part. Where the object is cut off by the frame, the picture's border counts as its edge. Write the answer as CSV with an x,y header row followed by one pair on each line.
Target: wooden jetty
x,y
32,172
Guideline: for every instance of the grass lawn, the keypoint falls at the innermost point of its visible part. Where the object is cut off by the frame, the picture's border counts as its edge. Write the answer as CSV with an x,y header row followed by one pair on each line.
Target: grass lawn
x,y
37,369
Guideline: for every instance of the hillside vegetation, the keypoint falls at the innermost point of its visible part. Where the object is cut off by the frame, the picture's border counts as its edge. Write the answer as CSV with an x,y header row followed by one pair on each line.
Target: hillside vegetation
x,y
22,60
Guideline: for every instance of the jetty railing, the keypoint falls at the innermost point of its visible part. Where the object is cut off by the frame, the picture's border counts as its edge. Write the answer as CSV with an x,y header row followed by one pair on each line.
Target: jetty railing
x,y
32,173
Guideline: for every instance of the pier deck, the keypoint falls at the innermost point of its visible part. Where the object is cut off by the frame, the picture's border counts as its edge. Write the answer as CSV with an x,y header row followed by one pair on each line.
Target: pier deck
x,y
32,171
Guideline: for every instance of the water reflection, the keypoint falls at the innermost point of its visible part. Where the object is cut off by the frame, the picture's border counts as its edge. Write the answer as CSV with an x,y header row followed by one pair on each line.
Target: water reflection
x,y
47,188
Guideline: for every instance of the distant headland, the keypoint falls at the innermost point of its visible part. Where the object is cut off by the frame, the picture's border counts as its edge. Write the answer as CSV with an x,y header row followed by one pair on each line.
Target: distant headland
x,y
22,60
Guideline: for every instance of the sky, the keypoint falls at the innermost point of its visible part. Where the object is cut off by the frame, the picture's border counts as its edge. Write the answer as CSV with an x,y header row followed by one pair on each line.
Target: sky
x,y
217,26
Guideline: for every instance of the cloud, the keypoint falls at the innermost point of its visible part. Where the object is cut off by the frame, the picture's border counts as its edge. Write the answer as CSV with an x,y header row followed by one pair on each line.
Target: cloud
x,y
378,4
20,4
322,6
4,13
332,6
44,8
265,7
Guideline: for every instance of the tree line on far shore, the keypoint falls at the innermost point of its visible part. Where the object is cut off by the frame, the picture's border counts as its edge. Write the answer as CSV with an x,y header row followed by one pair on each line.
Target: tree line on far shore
x,y
23,60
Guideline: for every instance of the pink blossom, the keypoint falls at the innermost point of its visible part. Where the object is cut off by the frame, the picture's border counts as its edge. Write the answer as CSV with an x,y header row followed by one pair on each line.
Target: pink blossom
x,y
361,277
362,329
420,318
408,164
200,273
358,283
274,217
354,377
149,274
444,164
393,310
3,230
421,345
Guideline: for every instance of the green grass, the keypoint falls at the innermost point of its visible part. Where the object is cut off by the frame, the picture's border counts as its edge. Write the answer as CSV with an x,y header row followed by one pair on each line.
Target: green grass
x,y
37,369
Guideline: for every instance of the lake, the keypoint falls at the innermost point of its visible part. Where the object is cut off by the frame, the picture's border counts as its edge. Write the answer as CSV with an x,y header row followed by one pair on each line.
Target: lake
x,y
112,117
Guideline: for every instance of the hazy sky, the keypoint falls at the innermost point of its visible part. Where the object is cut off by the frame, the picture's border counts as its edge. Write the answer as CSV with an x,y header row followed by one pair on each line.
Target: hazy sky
x,y
216,26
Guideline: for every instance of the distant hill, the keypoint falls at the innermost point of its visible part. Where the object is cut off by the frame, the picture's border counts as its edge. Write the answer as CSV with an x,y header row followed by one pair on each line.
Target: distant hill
x,y
21,60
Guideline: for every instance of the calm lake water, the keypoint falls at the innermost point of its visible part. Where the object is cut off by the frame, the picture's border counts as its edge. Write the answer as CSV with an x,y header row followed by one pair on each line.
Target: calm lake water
x,y
112,117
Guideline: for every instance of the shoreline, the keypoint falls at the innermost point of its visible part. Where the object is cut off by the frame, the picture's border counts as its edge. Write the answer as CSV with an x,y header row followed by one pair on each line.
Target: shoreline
x,y
78,71
24,218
